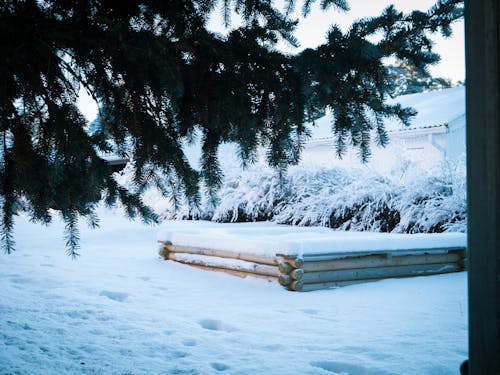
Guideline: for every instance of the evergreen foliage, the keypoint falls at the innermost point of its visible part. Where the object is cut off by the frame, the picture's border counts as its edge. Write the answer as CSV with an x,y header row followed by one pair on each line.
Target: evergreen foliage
x,y
407,80
158,75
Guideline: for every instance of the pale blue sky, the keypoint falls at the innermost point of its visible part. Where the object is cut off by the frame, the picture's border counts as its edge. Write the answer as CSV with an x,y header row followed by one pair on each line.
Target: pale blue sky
x,y
311,31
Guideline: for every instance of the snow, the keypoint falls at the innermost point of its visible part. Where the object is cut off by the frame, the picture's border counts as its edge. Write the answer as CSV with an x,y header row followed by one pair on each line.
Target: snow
x,y
435,134
407,187
410,199
120,309
268,238
433,108
216,262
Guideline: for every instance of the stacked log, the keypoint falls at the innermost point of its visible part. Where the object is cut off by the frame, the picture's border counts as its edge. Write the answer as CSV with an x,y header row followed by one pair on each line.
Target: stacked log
x,y
314,271
322,271
239,264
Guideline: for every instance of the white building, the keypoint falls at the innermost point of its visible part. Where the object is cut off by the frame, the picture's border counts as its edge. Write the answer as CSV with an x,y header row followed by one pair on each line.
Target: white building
x,y
436,133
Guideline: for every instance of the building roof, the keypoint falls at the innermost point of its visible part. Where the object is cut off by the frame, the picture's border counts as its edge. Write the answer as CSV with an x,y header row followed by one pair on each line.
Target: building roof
x,y
435,109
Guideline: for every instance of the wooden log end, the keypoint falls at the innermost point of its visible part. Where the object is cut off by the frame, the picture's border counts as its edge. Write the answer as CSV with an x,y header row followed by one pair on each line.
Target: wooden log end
x,y
285,267
297,274
164,253
463,264
299,262
296,285
285,280
164,242
462,252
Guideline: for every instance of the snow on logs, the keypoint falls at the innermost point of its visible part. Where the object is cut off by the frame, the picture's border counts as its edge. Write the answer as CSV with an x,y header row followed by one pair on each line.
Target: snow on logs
x,y
329,270
314,271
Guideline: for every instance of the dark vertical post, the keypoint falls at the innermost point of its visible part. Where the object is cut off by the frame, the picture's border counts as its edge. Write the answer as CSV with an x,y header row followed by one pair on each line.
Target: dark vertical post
x,y
482,36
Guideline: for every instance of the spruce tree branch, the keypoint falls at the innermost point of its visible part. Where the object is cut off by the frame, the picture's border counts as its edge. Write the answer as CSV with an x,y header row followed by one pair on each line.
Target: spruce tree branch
x,y
408,31
84,82
156,84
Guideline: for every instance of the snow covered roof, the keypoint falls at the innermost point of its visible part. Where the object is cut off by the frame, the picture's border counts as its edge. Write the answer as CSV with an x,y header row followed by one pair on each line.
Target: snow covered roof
x,y
435,109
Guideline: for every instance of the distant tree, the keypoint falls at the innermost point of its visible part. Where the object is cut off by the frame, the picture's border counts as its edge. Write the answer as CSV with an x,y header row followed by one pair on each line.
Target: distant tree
x,y
409,80
158,74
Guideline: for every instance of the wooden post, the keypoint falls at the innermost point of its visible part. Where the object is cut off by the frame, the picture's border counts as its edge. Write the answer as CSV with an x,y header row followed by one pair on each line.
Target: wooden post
x,y
482,37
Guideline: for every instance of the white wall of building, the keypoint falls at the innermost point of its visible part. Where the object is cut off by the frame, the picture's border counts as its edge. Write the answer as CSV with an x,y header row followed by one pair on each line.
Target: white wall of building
x,y
435,135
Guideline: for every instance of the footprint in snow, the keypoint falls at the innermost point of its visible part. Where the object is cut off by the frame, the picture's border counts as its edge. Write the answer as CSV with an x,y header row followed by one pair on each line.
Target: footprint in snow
x,y
178,354
219,366
19,279
189,342
216,325
310,311
115,296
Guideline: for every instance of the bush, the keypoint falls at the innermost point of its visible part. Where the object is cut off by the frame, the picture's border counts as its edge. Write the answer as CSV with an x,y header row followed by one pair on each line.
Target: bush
x,y
345,199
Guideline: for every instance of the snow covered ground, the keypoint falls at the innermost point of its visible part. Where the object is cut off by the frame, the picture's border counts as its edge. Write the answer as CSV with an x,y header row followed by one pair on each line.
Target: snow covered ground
x,y
120,309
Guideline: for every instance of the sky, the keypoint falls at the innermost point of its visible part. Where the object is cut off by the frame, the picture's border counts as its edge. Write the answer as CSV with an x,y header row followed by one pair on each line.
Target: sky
x,y
311,32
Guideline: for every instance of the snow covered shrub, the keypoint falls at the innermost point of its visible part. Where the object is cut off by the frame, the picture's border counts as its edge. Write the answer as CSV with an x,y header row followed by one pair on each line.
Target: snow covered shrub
x,y
407,200
249,196
436,202
368,203
312,194
339,198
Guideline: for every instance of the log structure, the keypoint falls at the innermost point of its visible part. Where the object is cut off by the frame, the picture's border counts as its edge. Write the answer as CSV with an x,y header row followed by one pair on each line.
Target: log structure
x,y
313,271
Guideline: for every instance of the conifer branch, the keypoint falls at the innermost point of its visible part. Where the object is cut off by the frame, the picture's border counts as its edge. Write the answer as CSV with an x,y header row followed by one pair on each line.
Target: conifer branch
x,y
72,233
159,76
